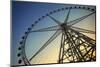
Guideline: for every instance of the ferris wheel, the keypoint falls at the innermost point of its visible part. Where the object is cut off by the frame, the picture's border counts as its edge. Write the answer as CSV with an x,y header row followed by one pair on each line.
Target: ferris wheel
x,y
63,35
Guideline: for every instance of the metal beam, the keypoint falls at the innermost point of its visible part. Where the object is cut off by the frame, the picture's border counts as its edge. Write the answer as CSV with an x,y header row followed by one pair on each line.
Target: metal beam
x,y
46,44
73,22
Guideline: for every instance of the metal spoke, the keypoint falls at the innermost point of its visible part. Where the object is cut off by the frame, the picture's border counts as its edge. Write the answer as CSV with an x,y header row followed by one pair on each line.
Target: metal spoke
x,y
58,22
60,51
82,30
47,43
73,22
52,28
66,19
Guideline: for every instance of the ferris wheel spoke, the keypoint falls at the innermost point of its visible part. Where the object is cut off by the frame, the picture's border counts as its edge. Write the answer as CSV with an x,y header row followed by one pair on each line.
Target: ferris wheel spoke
x,y
52,28
46,44
58,22
82,30
67,17
73,22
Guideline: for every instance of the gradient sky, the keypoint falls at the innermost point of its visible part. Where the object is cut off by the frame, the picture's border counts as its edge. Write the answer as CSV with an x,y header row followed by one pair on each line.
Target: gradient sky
x,y
26,13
